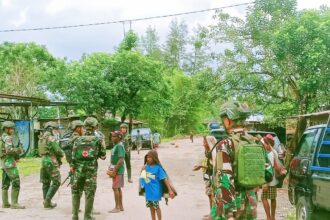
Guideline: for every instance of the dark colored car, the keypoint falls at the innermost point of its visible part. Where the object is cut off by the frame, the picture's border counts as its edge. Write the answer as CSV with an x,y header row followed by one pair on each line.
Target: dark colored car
x,y
146,137
213,125
219,133
309,174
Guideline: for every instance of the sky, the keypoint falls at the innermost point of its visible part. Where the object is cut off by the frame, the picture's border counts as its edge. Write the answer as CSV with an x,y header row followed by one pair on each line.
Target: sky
x,y
73,43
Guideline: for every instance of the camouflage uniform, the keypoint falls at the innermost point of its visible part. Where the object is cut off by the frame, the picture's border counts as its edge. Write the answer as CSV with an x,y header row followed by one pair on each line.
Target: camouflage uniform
x,y
10,151
230,201
68,139
85,171
50,176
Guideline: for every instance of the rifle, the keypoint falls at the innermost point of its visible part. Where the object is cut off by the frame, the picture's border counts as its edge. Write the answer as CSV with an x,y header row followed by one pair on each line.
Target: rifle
x,y
67,179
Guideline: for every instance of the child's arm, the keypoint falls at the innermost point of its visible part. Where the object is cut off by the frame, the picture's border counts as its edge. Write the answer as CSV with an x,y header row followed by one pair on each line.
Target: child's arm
x,y
198,167
170,191
119,163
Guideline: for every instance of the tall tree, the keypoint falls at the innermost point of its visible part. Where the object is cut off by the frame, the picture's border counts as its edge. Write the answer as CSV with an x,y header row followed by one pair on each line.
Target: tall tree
x,y
276,55
150,44
130,41
199,57
175,46
21,62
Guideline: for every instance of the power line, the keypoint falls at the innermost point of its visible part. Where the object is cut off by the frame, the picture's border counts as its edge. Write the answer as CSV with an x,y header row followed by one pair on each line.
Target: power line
x,y
121,21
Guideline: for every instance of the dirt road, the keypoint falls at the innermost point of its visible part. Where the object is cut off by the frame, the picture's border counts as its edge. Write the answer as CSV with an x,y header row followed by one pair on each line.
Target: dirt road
x,y
190,204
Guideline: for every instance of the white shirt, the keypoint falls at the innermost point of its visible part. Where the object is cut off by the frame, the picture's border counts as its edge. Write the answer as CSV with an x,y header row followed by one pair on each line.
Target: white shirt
x,y
271,156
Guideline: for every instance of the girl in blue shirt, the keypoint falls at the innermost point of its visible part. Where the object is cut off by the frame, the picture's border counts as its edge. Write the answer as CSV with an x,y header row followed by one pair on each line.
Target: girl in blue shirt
x,y
152,179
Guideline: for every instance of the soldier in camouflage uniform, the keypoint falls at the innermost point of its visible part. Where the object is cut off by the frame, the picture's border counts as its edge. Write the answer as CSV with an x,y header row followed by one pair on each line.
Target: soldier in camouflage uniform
x,y
9,153
69,137
127,144
87,148
51,153
231,202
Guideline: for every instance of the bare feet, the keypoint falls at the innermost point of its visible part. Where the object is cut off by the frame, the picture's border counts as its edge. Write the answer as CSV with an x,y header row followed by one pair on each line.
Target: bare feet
x,y
115,210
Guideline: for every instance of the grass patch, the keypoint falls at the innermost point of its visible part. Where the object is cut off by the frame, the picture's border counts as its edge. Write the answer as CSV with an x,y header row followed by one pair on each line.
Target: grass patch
x,y
29,166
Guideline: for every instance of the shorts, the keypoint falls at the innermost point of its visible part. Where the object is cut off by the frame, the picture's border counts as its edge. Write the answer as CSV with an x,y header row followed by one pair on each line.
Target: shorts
x,y
154,204
271,193
118,181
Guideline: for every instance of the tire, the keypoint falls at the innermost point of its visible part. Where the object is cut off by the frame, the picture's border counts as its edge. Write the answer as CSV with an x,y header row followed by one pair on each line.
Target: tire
x,y
304,209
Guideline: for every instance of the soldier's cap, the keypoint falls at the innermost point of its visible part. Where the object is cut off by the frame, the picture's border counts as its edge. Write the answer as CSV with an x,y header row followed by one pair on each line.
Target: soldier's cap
x,y
76,123
116,134
7,124
91,122
235,110
123,125
51,124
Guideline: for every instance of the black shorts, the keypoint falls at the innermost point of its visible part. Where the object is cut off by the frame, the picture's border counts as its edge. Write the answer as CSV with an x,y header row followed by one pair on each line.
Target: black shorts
x,y
154,204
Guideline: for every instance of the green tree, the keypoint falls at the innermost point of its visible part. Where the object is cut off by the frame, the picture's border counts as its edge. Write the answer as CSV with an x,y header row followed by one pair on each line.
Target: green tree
x,y
175,46
199,57
133,75
150,44
278,58
130,41
21,62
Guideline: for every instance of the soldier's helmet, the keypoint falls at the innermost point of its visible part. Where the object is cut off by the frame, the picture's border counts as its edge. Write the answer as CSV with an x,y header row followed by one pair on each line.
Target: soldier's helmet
x,y
123,125
91,122
76,123
7,124
50,124
235,110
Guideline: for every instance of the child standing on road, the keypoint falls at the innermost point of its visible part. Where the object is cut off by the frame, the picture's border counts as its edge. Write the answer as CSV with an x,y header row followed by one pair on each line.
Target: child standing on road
x,y
152,179
269,189
207,166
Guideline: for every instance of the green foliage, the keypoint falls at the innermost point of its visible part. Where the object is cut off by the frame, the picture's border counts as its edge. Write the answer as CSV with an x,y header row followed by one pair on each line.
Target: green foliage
x,y
175,47
150,44
279,60
129,42
21,62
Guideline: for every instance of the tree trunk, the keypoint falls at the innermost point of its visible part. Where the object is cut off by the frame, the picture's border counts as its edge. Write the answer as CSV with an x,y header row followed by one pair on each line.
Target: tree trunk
x,y
300,128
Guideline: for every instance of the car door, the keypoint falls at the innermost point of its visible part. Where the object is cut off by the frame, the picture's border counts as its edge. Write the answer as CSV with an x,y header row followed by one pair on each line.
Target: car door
x,y
321,173
298,176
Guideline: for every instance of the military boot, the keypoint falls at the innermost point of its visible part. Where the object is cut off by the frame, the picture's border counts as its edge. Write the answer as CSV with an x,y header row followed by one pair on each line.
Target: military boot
x,y
50,194
75,206
14,200
89,208
129,175
5,203
45,189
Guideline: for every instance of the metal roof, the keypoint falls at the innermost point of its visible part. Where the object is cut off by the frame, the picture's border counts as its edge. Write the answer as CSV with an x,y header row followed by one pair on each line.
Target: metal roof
x,y
28,101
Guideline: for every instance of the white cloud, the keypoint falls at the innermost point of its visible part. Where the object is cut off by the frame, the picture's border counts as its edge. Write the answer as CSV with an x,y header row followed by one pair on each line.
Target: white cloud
x,y
22,18
6,3
74,42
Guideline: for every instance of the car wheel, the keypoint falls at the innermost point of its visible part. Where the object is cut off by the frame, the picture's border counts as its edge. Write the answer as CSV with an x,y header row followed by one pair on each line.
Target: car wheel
x,y
303,209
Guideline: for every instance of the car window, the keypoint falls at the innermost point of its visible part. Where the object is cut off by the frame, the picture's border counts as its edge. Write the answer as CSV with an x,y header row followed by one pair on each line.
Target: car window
x,y
306,143
323,159
143,131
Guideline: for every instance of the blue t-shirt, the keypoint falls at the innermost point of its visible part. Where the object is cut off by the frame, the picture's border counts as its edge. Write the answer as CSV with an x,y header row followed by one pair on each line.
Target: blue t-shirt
x,y
152,183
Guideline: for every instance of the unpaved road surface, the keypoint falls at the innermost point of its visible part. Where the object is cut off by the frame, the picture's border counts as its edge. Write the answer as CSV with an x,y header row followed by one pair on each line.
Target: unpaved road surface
x,y
190,204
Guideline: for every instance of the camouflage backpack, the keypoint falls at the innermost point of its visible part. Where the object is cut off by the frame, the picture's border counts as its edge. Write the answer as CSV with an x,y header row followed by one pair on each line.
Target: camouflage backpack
x,y
85,148
250,160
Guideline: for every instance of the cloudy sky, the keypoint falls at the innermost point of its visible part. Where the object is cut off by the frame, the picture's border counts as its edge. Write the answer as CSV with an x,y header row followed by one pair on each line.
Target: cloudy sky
x,y
72,43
